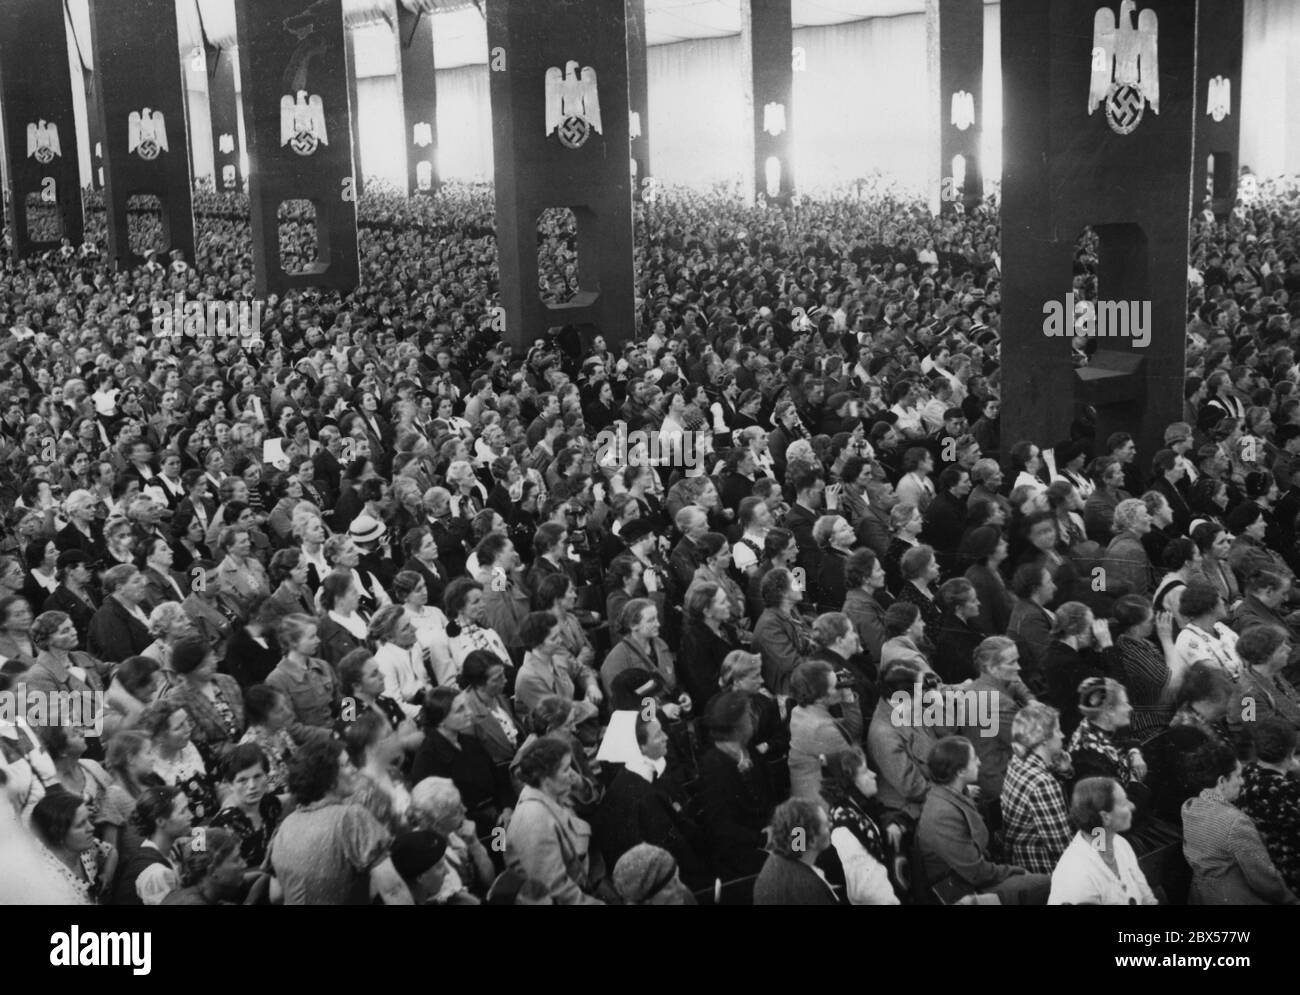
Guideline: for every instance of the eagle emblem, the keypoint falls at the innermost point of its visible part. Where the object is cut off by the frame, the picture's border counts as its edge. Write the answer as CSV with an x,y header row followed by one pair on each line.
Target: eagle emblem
x,y
1218,98
43,142
302,123
572,104
1125,66
774,119
422,134
226,143
146,133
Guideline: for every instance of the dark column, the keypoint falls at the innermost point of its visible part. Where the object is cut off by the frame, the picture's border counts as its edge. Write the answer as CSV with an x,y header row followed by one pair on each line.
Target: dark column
x,y
142,119
767,46
40,132
226,174
350,49
560,139
1081,148
955,40
419,95
638,86
292,66
1218,105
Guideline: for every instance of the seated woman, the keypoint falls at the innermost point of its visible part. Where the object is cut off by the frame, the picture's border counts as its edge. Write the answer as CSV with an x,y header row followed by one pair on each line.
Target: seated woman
x,y
1262,691
362,685
468,870
864,850
1099,866
1095,749
547,845
252,810
269,715
1205,635
400,658
1203,702
958,633
905,629
483,678
707,637
1272,799
641,648
559,718
743,672
735,792
954,840
176,759
213,701
548,668
1230,863
1034,815
63,827
451,750
985,548
814,731
1152,675
135,685
835,539
342,628
800,832
168,624
252,652
1081,648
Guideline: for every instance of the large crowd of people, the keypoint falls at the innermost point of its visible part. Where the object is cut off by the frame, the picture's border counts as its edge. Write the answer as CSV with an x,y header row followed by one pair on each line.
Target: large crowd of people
x,y
752,602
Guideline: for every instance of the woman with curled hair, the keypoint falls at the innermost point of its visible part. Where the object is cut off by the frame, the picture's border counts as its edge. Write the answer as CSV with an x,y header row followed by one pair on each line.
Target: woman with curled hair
x,y
331,851
168,624
742,671
905,630
1262,691
287,576
1034,813
1126,562
1099,866
483,678
905,525
800,831
707,637
310,531
814,732
146,874
399,658
467,630
642,650
15,633
863,849
240,577
252,811
213,701
135,685
412,593
547,845
1205,634
1230,863
737,795
1081,647
217,868
175,758
557,595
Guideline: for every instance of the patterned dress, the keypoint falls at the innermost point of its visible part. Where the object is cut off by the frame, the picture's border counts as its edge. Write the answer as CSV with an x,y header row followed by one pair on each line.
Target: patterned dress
x,y
1273,801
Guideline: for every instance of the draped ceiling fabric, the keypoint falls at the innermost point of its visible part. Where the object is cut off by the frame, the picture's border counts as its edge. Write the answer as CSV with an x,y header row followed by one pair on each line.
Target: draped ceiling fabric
x,y
859,105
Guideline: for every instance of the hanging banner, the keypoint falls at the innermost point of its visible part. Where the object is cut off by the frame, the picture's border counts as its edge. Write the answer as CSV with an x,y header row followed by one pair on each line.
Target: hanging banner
x,y
419,95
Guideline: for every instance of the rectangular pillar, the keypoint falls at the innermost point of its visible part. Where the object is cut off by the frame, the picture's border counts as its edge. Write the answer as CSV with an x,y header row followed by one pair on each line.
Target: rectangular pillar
x,y
767,71
40,132
558,80
227,176
955,47
419,95
142,119
638,86
1218,106
292,66
1085,144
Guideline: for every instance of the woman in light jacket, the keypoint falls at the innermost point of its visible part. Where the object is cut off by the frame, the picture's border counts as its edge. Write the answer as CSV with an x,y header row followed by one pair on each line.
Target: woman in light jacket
x,y
547,845
1099,866
814,732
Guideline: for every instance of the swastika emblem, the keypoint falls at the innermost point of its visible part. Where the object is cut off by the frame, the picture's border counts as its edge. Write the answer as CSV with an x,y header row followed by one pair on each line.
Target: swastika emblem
x,y
573,132
1124,108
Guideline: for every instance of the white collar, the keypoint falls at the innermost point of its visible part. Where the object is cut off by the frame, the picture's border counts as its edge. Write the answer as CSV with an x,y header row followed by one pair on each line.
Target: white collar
x,y
647,768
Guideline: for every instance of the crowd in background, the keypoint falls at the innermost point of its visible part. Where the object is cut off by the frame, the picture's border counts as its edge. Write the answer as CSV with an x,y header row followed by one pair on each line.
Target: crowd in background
x,y
751,603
